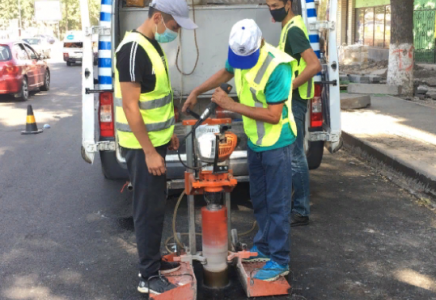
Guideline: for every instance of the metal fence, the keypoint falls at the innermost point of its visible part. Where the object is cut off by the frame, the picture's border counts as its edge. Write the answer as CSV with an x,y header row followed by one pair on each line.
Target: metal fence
x,y
424,35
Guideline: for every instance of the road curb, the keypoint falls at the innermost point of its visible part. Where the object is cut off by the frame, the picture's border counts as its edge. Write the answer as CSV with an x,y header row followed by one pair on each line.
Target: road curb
x,y
396,163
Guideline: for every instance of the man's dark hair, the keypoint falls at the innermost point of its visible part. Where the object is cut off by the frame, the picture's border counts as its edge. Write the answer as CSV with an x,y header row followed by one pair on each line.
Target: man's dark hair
x,y
152,11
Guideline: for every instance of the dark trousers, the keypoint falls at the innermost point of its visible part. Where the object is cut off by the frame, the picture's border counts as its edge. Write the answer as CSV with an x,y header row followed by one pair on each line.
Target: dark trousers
x,y
149,198
270,191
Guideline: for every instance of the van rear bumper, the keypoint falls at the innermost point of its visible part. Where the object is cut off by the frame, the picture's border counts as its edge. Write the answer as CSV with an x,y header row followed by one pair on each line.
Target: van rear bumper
x,y
176,170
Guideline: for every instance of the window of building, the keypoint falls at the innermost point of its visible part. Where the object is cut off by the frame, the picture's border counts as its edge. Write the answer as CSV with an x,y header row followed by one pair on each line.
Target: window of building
x,y
373,26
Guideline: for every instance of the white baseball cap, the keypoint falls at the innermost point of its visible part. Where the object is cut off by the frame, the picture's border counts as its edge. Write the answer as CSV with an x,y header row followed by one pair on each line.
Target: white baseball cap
x,y
178,9
244,44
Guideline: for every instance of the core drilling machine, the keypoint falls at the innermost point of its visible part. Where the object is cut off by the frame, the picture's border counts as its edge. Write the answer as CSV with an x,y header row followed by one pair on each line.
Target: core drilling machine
x,y
209,145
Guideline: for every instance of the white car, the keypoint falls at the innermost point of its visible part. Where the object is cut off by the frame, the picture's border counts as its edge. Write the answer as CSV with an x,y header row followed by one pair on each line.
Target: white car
x,y
40,46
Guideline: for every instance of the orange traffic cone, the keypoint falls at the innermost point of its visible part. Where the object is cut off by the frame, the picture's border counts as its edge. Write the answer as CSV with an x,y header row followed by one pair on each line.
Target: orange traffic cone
x,y
31,127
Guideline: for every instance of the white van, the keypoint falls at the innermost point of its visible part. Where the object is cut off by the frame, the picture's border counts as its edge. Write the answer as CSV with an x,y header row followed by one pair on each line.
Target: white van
x,y
323,120
73,47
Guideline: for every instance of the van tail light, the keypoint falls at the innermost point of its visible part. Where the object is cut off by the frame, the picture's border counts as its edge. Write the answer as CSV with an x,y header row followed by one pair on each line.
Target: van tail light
x,y
106,114
11,70
66,56
316,118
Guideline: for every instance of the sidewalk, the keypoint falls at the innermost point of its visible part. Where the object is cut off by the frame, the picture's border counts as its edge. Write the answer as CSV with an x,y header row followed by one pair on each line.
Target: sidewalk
x,y
400,133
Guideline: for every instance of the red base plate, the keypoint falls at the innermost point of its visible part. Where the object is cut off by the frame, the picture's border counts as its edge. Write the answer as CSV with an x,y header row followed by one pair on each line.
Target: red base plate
x,y
184,279
260,288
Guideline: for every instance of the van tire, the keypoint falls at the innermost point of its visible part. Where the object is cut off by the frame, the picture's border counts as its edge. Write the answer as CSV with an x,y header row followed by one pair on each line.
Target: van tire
x,y
110,167
68,64
315,154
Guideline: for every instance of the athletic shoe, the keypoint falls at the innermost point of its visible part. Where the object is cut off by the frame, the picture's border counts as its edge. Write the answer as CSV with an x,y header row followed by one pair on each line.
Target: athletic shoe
x,y
299,220
259,258
272,271
156,285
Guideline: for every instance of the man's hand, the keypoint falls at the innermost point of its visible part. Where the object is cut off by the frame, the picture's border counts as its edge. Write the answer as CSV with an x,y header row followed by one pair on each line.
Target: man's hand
x,y
174,144
155,163
191,101
222,99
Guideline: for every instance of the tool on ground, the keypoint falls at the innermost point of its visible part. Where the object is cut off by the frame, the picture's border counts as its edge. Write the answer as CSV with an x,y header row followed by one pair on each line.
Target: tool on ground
x,y
31,127
209,145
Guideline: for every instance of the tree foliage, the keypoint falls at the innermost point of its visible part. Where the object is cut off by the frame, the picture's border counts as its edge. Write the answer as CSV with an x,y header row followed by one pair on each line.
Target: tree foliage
x,y
9,11
71,18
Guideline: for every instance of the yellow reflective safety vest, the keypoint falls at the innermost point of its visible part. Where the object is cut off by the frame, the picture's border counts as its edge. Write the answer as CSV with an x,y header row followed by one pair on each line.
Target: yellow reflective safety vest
x,y
307,90
250,86
156,107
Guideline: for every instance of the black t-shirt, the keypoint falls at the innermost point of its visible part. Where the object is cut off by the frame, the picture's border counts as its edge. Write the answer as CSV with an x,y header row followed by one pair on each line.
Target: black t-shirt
x,y
296,43
134,65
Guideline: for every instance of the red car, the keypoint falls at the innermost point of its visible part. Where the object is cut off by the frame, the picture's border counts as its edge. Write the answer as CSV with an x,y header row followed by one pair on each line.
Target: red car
x,y
22,70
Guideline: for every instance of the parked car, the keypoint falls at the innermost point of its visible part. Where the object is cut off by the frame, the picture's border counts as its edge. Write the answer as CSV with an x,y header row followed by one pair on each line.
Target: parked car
x,y
22,70
40,45
49,39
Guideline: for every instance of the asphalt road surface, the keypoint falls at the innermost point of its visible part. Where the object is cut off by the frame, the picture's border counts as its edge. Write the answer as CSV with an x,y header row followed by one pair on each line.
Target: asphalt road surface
x,y
65,231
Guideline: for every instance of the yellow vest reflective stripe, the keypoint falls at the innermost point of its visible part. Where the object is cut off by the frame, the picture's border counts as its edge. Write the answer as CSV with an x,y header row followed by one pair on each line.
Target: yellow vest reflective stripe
x,y
307,90
156,107
250,86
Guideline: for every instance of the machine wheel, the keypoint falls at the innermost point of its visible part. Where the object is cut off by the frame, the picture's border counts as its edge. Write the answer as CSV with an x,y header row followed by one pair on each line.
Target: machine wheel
x,y
23,94
46,85
315,154
110,167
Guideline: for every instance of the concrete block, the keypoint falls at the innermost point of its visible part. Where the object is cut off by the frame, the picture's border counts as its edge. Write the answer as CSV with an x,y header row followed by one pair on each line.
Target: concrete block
x,y
359,79
374,79
343,78
354,101
360,88
422,90
381,72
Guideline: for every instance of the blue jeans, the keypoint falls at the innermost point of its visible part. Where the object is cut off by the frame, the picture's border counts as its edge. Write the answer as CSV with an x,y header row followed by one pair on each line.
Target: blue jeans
x,y
270,193
300,168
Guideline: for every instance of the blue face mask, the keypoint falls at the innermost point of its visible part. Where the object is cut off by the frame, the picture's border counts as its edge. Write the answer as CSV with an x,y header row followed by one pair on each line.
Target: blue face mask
x,y
167,36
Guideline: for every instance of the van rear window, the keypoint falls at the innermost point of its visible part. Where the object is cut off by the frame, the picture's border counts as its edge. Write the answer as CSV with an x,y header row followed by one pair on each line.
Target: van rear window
x,y
5,54
73,45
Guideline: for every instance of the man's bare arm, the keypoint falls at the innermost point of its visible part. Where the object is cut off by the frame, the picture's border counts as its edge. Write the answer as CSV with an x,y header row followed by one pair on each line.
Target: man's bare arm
x,y
313,67
214,81
270,114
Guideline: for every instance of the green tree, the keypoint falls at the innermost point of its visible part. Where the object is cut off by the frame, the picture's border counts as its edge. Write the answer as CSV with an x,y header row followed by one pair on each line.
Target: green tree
x,y
71,18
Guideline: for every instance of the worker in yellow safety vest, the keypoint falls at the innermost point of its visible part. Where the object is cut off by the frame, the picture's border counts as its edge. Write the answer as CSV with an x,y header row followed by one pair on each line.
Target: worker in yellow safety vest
x,y
294,40
263,76
144,115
